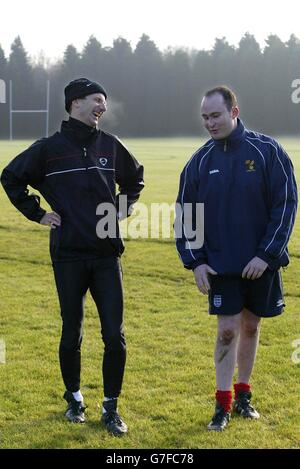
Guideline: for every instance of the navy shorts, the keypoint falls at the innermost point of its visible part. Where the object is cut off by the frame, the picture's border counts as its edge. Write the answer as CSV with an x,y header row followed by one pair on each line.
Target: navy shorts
x,y
229,295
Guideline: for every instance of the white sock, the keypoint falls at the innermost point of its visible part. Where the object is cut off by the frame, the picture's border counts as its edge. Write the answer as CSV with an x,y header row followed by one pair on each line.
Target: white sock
x,y
107,399
78,396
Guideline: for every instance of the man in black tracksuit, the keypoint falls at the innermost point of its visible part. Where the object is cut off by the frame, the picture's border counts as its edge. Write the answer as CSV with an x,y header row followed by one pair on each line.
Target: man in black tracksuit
x,y
245,181
76,170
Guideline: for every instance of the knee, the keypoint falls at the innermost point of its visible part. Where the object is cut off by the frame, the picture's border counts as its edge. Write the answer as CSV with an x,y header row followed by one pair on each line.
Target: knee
x,y
115,343
71,339
250,329
226,336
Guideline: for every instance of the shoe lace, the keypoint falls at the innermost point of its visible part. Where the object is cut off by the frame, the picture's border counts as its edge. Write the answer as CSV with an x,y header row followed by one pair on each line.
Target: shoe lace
x,y
219,415
77,407
112,416
244,402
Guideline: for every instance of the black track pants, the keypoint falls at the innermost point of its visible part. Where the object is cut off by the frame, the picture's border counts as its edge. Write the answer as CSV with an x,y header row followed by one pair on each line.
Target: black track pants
x,y
104,279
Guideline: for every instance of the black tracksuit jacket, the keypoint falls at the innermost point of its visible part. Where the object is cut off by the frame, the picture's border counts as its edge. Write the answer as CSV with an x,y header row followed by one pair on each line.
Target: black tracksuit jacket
x,y
75,170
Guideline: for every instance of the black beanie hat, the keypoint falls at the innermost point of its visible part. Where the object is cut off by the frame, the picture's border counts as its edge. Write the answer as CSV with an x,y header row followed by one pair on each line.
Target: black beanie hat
x,y
79,88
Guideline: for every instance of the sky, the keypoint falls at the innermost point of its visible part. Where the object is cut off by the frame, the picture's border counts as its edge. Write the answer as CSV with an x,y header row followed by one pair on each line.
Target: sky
x,y
193,24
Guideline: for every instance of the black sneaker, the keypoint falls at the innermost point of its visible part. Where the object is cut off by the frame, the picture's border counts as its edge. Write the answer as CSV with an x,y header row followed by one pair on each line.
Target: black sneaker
x,y
112,420
75,409
243,407
220,419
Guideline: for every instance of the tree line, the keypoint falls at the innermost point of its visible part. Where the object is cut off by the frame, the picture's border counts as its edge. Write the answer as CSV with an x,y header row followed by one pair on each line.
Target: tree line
x,y
154,93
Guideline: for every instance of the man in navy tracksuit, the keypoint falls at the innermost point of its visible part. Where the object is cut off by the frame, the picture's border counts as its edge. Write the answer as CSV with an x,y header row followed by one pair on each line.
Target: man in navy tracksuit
x,y
76,171
245,181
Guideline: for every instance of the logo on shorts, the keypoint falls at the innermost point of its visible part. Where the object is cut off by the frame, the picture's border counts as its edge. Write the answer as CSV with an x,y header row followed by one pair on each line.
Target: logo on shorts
x,y
280,302
217,301
103,161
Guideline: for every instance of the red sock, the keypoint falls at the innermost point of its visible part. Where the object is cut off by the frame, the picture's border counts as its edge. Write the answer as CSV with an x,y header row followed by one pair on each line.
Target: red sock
x,y
241,387
224,398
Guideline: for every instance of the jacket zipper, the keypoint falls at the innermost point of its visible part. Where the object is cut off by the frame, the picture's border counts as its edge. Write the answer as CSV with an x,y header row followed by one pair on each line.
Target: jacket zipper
x,y
225,145
86,167
85,158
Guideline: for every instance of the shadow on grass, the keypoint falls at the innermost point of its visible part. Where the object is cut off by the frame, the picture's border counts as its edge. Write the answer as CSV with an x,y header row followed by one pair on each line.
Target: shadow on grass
x,y
62,434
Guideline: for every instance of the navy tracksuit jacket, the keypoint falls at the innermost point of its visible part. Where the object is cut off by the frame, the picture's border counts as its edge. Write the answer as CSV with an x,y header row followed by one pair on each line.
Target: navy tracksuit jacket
x,y
249,192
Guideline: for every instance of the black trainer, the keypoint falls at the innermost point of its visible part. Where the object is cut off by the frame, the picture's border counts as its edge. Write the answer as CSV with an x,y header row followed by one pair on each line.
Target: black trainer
x,y
112,420
220,419
75,409
243,407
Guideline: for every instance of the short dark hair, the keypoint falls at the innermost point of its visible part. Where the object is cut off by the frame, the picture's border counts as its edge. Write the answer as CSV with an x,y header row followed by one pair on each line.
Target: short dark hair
x,y
229,97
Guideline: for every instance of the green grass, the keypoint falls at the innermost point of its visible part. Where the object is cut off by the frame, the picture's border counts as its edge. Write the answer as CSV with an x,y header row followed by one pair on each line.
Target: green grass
x,y
168,392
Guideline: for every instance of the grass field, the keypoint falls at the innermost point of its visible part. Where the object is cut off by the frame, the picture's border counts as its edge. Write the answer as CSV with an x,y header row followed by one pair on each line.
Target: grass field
x,y
168,393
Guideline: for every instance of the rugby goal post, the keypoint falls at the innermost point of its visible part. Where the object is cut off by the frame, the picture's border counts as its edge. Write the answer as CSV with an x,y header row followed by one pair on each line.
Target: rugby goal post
x,y
26,111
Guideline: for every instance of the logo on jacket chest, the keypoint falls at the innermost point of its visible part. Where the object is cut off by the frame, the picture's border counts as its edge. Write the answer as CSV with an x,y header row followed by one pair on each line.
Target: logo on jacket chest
x,y
103,161
250,165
